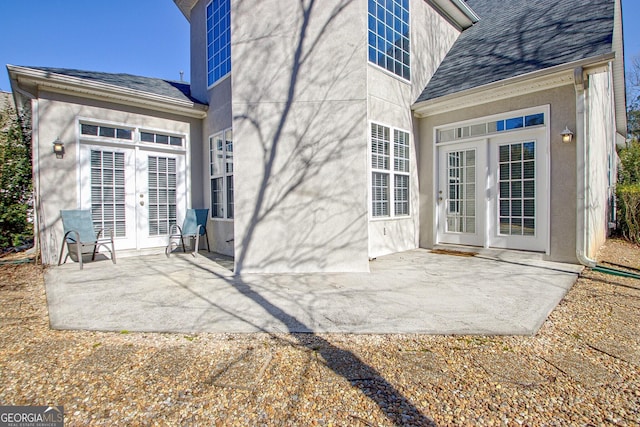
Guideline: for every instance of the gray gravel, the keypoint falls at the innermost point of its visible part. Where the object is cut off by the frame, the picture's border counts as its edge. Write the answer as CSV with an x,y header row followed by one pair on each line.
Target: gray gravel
x,y
582,368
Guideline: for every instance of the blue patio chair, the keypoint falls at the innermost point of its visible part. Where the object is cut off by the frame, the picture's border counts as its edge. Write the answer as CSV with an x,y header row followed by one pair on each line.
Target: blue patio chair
x,y
193,227
79,233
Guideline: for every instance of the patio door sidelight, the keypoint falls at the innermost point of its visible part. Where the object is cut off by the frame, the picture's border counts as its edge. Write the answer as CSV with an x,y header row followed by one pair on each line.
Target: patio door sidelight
x,y
137,193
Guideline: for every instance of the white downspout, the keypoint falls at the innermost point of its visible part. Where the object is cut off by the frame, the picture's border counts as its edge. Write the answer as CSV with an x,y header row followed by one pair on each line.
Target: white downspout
x,y
582,170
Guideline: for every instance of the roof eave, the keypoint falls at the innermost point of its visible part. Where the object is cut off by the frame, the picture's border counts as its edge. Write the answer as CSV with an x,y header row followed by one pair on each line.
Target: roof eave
x,y
547,78
457,11
185,7
103,91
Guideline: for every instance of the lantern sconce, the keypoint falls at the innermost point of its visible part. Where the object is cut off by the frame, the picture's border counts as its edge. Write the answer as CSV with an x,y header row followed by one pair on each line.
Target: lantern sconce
x,y
567,135
58,148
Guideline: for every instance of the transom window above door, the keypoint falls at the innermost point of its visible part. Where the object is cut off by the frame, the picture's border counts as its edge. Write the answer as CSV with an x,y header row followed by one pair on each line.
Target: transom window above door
x,y
520,121
126,134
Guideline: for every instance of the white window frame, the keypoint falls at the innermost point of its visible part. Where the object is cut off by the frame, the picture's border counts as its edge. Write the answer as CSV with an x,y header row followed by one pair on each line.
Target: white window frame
x,y
393,165
223,158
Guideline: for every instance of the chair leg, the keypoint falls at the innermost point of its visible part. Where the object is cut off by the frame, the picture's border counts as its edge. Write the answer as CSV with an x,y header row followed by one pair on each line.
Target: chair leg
x,y
182,240
206,236
64,243
196,245
79,250
113,251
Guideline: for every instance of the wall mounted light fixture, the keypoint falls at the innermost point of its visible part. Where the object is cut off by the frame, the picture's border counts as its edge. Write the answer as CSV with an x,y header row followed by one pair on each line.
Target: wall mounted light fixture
x,y
567,135
58,148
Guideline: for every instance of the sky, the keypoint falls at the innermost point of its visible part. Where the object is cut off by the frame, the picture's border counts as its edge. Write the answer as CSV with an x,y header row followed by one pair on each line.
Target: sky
x,y
142,37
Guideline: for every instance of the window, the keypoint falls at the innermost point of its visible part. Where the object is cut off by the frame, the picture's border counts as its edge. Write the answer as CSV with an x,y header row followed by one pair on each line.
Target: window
x,y
389,172
105,131
494,126
218,40
221,171
159,138
389,35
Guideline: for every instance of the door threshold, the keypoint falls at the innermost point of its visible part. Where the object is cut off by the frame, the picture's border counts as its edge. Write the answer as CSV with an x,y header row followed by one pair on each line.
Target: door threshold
x,y
511,256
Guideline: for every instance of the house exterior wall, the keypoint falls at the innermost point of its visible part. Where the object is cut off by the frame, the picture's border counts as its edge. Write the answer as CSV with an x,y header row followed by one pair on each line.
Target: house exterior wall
x,y
562,162
198,41
300,136
601,154
219,118
57,180
389,100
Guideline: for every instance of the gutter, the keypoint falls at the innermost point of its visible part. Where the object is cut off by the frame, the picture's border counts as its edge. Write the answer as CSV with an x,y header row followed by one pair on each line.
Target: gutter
x,y
103,91
582,181
464,8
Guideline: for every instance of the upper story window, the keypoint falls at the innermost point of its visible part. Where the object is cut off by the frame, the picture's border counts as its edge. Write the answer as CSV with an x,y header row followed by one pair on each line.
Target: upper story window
x,y
218,40
389,35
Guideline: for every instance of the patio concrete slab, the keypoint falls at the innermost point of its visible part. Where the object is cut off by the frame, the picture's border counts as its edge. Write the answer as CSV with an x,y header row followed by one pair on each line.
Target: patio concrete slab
x,y
410,292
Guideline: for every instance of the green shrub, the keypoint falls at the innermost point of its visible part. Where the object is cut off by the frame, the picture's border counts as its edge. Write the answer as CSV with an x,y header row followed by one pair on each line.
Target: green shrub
x,y
628,196
16,228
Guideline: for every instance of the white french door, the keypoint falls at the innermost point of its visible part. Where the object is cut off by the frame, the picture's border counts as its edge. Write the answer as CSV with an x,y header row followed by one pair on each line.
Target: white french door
x,y
461,193
135,192
519,193
493,192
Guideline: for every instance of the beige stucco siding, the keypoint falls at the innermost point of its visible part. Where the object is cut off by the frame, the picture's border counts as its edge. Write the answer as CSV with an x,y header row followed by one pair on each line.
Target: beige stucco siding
x,y
198,69
562,165
219,118
57,183
299,108
601,136
388,103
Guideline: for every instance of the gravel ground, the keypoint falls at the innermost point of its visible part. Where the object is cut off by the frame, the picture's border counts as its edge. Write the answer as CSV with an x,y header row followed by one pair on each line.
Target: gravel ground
x,y
582,368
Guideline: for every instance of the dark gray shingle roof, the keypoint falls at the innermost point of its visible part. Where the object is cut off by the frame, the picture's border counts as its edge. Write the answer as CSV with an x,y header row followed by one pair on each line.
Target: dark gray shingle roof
x,y
515,37
176,90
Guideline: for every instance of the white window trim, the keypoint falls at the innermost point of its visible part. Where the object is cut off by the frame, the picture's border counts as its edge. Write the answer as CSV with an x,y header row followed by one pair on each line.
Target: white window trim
x,y
391,173
224,175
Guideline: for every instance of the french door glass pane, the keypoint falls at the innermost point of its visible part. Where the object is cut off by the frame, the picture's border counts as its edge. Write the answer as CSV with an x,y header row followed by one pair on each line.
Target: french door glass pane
x,y
517,206
461,175
162,181
108,192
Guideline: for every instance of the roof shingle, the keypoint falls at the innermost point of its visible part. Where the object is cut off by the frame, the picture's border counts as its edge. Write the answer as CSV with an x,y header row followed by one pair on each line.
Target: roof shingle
x,y
177,90
516,37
